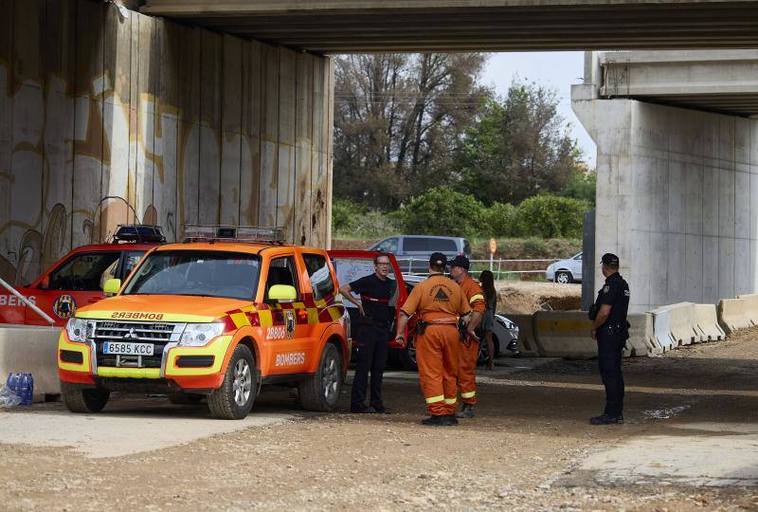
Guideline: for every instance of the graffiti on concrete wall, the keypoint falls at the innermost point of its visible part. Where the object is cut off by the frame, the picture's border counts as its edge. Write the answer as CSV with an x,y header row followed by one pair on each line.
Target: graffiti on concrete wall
x,y
107,120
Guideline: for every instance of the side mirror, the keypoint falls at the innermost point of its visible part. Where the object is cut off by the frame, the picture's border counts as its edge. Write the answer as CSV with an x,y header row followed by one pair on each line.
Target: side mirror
x,y
282,293
112,286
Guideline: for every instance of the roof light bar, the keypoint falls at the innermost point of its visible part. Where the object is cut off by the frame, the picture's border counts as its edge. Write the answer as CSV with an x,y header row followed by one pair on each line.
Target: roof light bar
x,y
138,233
225,233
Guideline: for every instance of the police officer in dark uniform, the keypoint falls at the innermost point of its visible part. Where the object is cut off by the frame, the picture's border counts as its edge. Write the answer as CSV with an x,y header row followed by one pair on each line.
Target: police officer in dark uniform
x,y
373,333
611,331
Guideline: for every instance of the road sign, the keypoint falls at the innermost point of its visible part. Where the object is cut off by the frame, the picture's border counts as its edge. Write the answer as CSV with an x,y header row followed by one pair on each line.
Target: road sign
x,y
493,246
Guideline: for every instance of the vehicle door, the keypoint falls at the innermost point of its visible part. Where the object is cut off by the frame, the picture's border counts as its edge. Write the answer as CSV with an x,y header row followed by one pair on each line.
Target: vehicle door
x,y
352,265
76,282
576,267
447,246
289,336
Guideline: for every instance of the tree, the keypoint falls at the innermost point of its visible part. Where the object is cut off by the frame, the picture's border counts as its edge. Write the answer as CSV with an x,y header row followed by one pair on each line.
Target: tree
x,y
398,120
443,211
518,148
549,216
582,186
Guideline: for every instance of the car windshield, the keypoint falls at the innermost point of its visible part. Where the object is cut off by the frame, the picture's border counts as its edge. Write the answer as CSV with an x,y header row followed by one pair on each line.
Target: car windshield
x,y
203,273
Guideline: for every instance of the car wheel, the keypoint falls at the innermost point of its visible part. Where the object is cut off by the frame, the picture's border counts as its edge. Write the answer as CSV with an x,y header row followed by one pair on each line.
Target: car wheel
x,y
495,345
321,391
234,399
85,400
483,355
563,277
407,356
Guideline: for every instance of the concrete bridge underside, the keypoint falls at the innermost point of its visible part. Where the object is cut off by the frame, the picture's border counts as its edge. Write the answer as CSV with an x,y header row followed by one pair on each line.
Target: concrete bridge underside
x,y
425,25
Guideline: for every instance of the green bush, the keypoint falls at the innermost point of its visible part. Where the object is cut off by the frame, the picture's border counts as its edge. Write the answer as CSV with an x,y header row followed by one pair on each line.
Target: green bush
x,y
548,216
500,220
351,220
443,211
344,215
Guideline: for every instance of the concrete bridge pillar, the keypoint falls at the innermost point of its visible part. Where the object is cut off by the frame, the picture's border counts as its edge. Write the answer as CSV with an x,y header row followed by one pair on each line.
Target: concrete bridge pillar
x,y
677,194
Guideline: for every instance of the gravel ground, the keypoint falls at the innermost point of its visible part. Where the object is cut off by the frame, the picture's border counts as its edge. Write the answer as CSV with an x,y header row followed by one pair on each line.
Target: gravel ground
x,y
526,297
520,453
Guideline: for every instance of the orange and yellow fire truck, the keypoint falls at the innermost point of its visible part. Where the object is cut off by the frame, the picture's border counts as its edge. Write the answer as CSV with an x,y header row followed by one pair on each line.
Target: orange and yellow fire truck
x,y
218,316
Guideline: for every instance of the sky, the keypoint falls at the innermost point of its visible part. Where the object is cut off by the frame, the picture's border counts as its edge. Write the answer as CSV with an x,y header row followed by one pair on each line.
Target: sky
x,y
556,70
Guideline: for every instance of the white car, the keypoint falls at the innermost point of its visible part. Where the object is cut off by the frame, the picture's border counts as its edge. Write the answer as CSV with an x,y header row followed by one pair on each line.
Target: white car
x,y
566,271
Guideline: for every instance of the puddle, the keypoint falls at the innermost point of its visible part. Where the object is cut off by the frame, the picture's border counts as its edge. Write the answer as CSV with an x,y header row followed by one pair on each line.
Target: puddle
x,y
665,413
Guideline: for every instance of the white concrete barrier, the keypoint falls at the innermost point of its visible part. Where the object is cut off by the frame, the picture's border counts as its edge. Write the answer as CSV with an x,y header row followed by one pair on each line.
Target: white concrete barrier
x,y
684,323
733,315
641,341
750,310
527,344
708,323
26,348
662,329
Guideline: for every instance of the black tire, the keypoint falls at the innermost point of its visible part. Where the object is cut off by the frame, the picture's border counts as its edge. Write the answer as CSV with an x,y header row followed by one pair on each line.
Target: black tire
x,y
181,398
564,277
496,345
321,391
406,357
483,355
235,398
84,400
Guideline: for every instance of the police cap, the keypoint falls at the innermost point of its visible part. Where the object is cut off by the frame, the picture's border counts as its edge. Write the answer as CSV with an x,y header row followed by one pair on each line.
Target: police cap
x,y
438,259
460,261
610,259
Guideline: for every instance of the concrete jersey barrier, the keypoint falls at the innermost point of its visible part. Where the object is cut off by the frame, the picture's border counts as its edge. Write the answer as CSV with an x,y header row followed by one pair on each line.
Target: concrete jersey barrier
x,y
662,337
641,341
733,315
684,329
750,307
564,334
527,344
26,348
707,322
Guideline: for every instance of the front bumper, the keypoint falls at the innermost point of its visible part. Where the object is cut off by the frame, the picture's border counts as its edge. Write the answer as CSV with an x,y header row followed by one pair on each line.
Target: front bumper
x,y
186,367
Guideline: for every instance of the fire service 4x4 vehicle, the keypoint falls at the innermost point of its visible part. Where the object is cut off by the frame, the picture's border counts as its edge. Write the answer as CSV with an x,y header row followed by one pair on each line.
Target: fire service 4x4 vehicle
x,y
218,316
77,279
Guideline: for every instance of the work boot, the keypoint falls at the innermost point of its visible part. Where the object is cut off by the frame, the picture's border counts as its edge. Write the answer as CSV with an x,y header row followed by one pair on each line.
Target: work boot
x,y
449,421
434,421
467,411
605,419
381,409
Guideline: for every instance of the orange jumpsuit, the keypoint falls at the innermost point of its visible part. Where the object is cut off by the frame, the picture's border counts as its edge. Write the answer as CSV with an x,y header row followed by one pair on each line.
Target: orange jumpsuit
x,y
439,301
469,351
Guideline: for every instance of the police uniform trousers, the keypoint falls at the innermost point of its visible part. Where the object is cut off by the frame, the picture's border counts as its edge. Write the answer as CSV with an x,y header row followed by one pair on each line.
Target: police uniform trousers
x,y
609,352
372,345
437,359
468,356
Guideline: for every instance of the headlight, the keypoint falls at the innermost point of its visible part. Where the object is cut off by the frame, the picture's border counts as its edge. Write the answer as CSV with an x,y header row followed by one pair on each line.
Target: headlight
x,y
79,329
197,335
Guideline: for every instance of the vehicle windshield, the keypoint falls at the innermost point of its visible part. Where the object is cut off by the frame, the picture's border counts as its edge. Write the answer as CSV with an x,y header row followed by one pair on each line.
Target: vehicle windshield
x,y
203,273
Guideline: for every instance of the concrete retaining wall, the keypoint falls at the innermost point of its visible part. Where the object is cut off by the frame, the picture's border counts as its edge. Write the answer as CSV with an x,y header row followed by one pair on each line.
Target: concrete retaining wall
x,y
31,349
527,344
564,334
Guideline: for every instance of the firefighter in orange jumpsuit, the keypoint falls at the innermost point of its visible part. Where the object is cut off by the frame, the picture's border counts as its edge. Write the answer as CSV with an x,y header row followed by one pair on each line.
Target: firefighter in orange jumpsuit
x,y
469,350
439,304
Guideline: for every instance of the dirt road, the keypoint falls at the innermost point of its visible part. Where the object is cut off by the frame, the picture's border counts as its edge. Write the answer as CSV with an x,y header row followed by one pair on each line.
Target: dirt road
x,y
530,448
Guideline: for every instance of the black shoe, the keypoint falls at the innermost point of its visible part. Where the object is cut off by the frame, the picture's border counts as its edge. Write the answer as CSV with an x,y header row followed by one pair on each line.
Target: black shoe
x,y
467,411
605,419
449,421
362,410
434,421
381,410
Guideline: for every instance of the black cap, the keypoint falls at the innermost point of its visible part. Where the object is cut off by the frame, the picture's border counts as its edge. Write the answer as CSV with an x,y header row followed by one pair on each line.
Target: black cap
x,y
460,261
437,259
610,259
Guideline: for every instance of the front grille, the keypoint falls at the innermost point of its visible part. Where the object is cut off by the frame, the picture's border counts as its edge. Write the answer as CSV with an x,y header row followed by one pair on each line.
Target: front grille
x,y
157,334
109,330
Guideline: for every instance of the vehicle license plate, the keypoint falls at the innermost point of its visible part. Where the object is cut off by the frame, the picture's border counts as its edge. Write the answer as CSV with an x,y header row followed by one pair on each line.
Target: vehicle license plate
x,y
128,349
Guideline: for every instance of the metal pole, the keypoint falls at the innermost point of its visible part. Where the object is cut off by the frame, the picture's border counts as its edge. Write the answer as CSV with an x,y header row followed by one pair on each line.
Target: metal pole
x,y
26,301
492,256
499,264
410,265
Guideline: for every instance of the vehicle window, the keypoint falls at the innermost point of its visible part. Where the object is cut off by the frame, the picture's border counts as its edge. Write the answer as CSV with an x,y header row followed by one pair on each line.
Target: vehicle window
x,y
282,271
131,258
198,273
442,245
415,243
83,272
389,245
318,272
352,269
466,247
578,257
